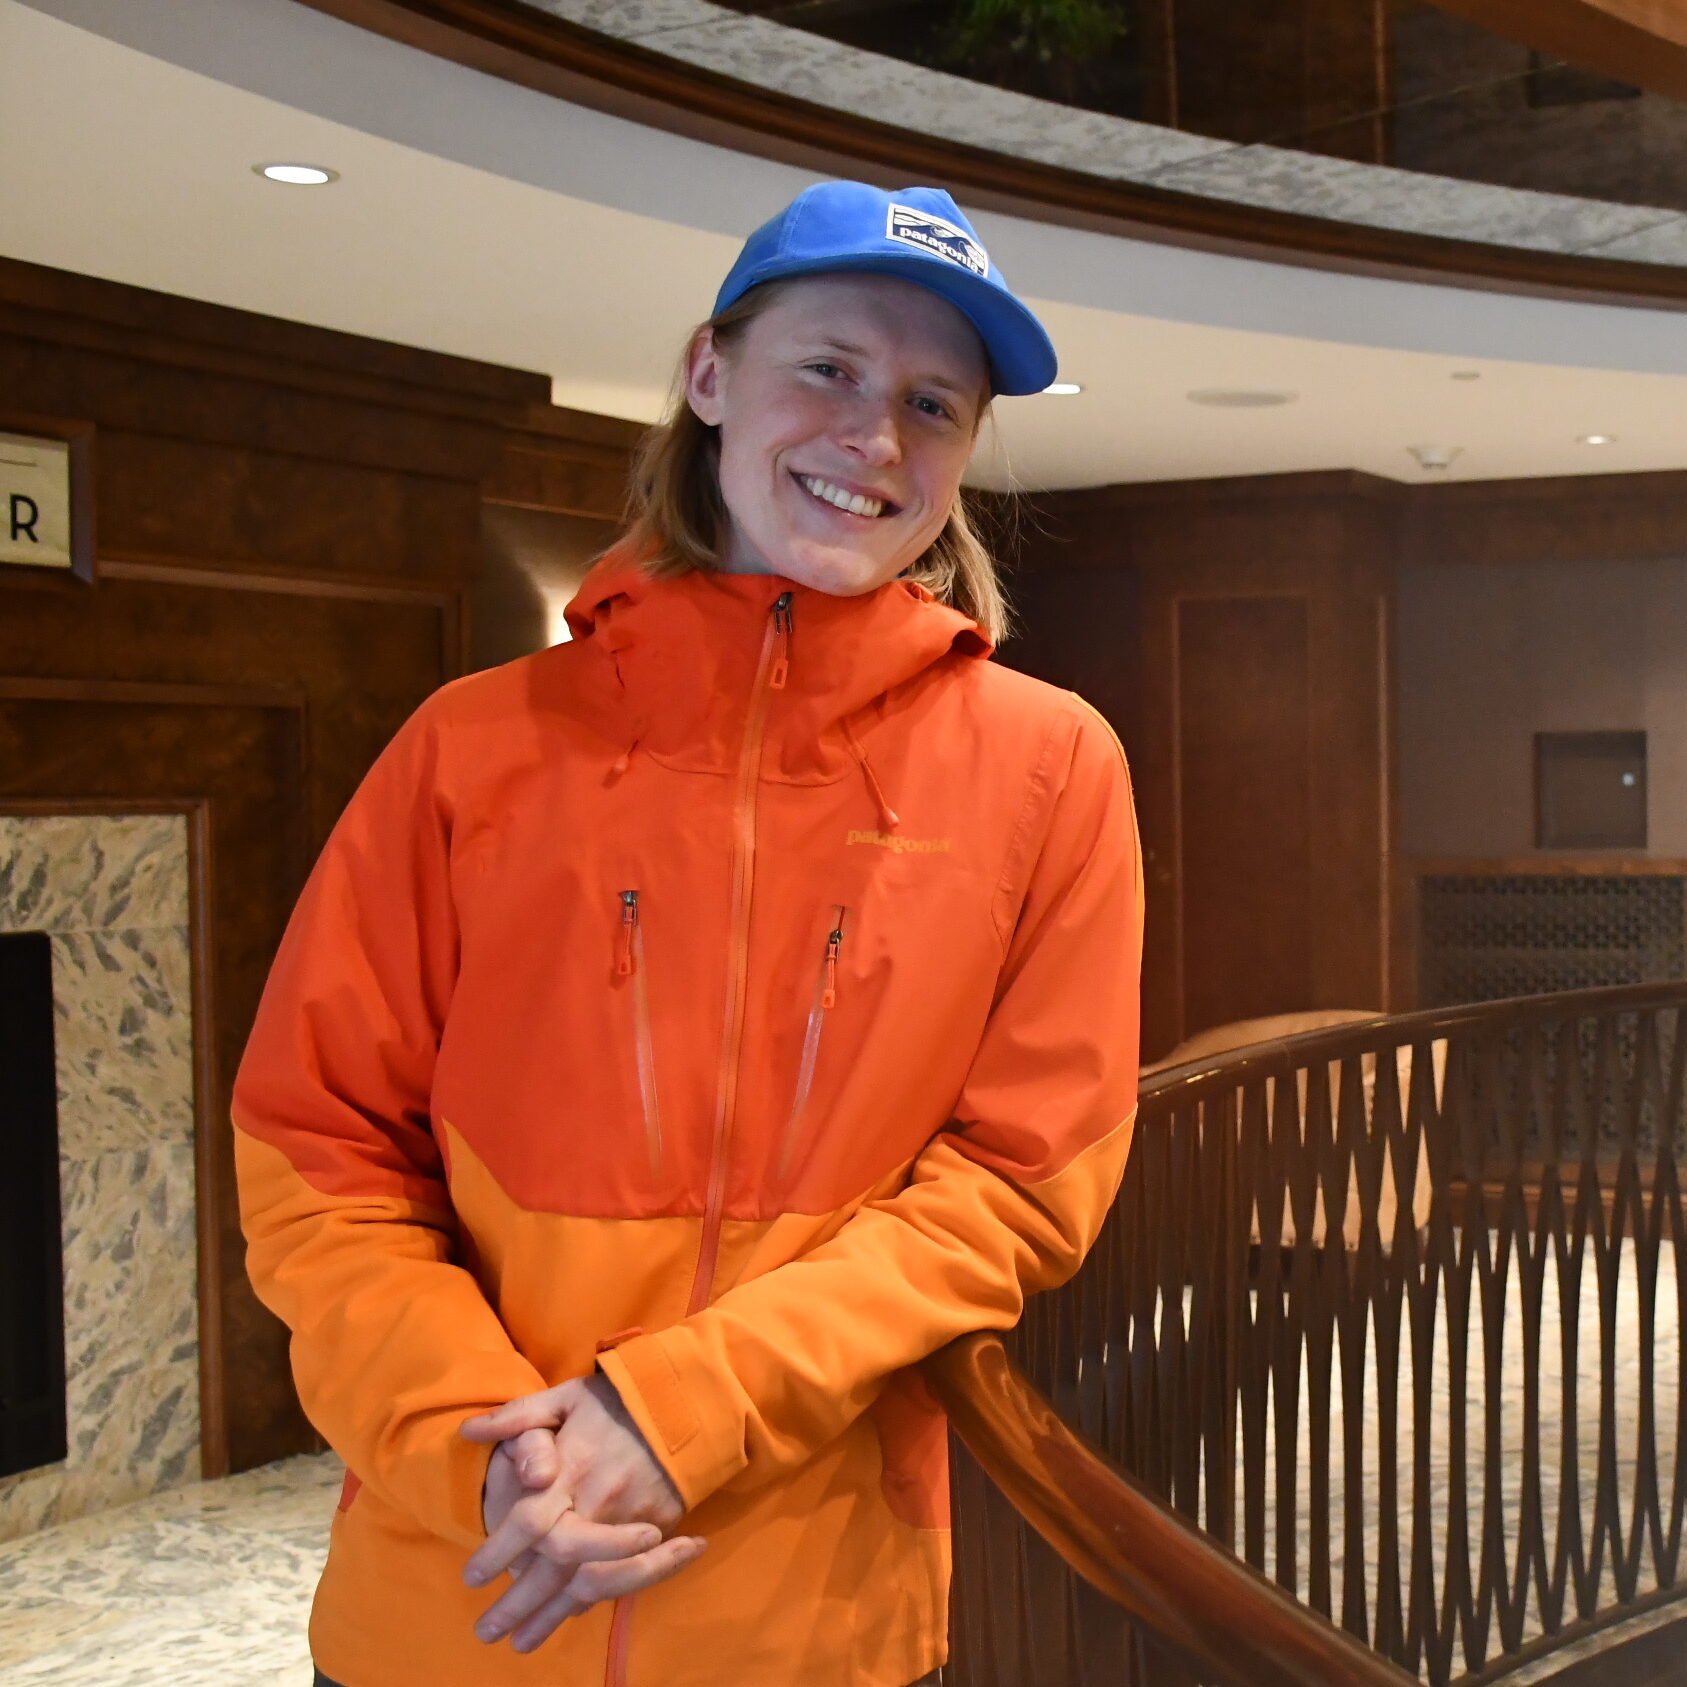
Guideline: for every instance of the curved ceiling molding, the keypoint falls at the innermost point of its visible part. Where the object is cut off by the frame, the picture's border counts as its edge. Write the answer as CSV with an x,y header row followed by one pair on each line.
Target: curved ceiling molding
x,y
1638,41
646,81
492,221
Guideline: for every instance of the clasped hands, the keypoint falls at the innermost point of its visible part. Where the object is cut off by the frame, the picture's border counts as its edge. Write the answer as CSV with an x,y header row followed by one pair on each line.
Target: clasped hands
x,y
577,1509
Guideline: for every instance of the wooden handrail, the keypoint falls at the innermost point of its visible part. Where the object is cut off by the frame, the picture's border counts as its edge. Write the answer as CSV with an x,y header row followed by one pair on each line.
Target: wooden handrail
x,y
1176,1086
1342,1416
1166,1573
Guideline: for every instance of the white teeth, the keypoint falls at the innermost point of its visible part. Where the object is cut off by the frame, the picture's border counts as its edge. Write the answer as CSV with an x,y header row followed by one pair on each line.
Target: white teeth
x,y
856,503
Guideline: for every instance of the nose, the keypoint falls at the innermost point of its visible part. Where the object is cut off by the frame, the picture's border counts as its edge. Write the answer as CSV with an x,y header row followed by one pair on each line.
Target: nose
x,y
872,434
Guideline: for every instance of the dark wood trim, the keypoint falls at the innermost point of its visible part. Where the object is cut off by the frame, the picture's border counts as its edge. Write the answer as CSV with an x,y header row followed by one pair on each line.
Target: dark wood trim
x,y
1557,518
450,602
1617,864
61,305
40,689
208,1180
536,50
591,437
1638,41
237,577
1597,1665
1242,489
566,461
79,436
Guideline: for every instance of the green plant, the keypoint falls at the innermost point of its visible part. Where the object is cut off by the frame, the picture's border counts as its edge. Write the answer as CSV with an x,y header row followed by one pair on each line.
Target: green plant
x,y
1055,36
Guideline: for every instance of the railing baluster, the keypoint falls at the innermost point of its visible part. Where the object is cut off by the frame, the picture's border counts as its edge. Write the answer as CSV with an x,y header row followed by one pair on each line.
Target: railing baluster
x,y
1478,1214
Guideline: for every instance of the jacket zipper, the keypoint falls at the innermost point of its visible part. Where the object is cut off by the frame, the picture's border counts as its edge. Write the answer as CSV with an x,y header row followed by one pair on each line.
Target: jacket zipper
x,y
631,964
772,668
825,997
771,671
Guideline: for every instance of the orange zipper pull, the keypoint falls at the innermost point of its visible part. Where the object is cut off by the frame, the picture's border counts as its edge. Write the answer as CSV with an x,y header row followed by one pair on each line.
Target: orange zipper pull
x,y
829,997
629,922
781,668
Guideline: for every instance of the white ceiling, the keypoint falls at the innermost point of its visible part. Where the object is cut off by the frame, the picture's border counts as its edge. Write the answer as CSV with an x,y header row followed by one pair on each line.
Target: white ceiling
x,y
482,219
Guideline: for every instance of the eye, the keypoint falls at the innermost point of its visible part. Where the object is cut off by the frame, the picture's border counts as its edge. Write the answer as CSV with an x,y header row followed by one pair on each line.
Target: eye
x,y
933,407
821,367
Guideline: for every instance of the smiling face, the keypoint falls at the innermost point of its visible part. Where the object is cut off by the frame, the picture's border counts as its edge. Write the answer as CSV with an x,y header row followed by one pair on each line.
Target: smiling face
x,y
847,411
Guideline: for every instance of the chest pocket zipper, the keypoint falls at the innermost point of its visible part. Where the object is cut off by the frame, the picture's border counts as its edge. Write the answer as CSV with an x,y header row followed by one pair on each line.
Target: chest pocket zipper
x,y
630,965
825,997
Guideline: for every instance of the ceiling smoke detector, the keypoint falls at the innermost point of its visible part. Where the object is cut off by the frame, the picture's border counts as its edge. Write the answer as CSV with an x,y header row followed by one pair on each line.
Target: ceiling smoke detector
x,y
1240,398
1434,457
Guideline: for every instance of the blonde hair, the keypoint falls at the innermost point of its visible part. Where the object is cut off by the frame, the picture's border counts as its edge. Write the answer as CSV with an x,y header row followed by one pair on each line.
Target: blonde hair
x,y
679,517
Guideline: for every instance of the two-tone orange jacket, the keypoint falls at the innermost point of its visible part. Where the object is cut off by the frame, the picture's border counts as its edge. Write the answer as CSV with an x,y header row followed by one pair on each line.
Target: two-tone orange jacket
x,y
741,998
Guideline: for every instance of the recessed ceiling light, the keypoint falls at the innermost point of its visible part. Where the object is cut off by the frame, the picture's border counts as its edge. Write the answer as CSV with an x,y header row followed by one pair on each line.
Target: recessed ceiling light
x,y
1240,398
1063,389
1597,439
1435,456
297,175
1467,375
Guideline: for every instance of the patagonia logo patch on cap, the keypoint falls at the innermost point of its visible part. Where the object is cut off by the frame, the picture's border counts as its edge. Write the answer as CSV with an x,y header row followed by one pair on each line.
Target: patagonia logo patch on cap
x,y
938,236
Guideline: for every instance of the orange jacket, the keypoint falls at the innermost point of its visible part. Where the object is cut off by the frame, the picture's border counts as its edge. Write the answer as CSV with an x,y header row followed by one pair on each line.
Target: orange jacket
x,y
742,997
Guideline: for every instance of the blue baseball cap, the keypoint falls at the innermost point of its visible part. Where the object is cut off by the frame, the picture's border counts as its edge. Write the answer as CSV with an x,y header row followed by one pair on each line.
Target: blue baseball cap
x,y
918,233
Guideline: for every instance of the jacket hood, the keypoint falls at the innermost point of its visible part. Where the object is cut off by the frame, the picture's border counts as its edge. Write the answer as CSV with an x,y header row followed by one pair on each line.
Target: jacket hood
x,y
685,652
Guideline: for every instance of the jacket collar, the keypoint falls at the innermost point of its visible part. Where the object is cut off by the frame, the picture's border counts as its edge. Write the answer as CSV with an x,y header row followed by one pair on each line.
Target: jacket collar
x,y
685,652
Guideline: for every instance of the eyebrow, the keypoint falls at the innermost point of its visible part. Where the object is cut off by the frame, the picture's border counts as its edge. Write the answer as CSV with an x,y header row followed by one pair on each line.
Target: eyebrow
x,y
850,349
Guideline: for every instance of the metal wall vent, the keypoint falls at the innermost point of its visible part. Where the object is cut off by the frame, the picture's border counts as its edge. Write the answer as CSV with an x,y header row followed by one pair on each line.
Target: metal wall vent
x,y
1485,937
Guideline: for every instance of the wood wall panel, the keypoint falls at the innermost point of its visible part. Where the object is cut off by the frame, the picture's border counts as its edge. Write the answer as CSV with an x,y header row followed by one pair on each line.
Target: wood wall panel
x,y
170,389
1080,627
1276,589
1299,73
234,504
1243,728
1579,518
289,527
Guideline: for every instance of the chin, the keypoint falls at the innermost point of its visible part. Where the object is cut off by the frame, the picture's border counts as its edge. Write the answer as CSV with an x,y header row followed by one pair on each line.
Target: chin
x,y
841,573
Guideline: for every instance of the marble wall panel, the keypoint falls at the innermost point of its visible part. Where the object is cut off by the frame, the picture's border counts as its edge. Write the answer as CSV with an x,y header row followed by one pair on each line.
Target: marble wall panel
x,y
112,890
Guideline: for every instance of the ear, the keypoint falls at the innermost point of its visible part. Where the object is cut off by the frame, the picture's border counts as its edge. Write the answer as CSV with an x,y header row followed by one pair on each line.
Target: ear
x,y
705,378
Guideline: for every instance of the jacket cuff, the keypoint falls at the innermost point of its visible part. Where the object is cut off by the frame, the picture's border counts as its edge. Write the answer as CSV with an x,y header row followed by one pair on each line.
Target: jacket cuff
x,y
462,1495
692,1418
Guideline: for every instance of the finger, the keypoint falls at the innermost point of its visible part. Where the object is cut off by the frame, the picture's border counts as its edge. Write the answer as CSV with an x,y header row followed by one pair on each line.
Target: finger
x,y
544,1410
575,1541
605,1581
616,1579
535,1455
528,1521
538,1587
545,1622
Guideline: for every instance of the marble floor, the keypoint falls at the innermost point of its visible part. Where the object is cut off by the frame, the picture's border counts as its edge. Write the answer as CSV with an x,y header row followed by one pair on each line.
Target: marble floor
x,y
203,1586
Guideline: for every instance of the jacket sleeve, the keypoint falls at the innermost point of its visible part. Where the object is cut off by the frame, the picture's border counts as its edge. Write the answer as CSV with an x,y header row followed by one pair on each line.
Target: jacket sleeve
x,y
343,1201
1004,1201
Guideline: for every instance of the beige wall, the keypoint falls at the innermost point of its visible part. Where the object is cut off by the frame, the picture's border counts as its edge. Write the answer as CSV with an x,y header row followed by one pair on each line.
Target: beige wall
x,y
1491,653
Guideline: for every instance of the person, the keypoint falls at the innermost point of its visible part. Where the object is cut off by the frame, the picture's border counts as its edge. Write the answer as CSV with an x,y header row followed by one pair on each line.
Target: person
x,y
690,1028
